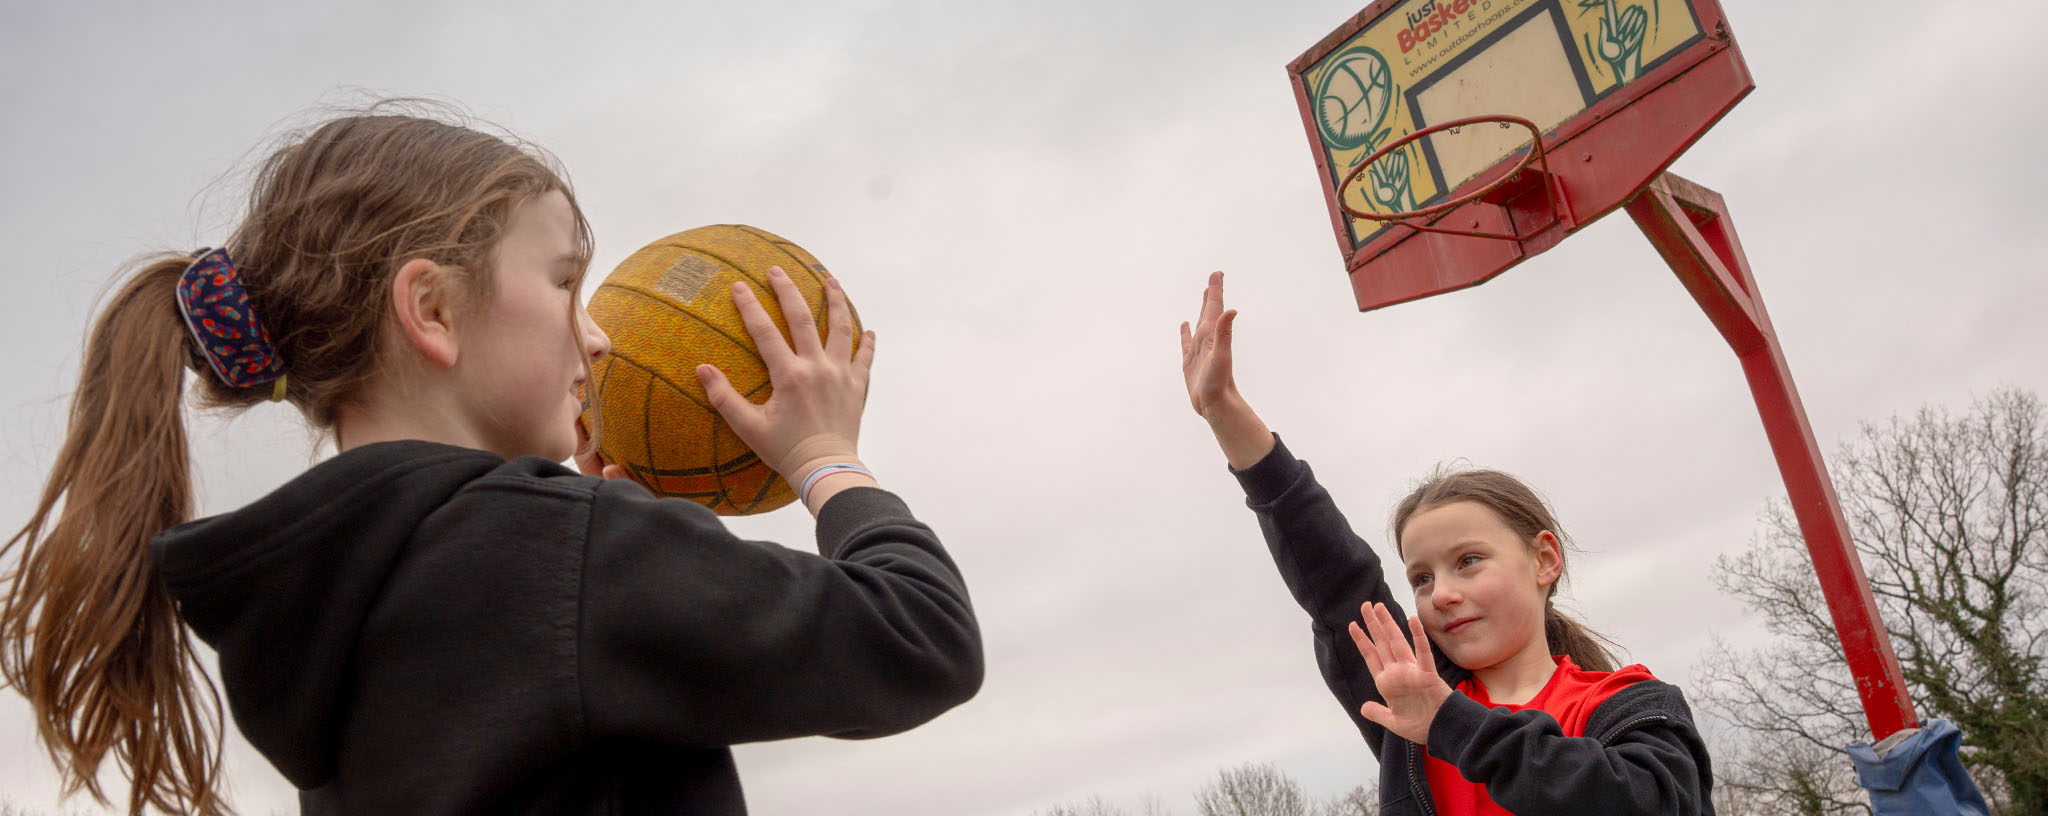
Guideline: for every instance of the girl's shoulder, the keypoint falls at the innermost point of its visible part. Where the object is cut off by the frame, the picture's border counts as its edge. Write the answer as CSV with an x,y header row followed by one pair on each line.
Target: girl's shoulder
x,y
1629,698
1577,697
1601,684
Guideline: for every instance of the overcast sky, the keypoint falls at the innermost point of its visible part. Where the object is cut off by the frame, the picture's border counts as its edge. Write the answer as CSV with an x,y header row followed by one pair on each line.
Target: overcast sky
x,y
1024,200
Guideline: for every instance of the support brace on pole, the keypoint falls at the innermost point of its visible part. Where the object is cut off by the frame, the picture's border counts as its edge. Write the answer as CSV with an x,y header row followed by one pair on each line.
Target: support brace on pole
x,y
1690,227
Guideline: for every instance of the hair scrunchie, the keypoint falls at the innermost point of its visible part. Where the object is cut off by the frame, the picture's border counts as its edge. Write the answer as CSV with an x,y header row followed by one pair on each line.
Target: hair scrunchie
x,y
224,326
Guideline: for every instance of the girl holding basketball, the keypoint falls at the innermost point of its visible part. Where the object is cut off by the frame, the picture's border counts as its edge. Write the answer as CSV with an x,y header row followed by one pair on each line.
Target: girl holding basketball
x,y
1488,700
441,618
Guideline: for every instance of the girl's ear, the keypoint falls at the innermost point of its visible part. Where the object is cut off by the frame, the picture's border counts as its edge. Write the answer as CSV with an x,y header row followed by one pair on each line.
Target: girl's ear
x,y
422,296
1549,559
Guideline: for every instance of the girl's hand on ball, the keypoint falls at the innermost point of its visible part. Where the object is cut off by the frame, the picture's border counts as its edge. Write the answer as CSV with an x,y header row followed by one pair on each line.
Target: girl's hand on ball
x,y
589,461
812,418
1406,677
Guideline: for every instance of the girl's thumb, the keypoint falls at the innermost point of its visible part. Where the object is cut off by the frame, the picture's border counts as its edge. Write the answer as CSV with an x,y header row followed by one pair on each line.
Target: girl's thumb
x,y
719,391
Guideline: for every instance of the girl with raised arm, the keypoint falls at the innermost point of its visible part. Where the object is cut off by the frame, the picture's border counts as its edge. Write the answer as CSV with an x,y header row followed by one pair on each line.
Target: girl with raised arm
x,y
441,618
1488,700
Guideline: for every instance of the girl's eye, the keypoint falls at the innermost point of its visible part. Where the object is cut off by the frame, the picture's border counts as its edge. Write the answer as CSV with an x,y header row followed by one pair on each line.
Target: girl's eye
x,y
1468,560
569,284
1418,579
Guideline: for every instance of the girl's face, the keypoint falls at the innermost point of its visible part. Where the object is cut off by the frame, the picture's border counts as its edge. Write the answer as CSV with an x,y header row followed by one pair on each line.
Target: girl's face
x,y
1479,587
522,365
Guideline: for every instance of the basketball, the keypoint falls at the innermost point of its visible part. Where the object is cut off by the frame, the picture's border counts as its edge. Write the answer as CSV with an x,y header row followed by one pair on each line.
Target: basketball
x,y
668,308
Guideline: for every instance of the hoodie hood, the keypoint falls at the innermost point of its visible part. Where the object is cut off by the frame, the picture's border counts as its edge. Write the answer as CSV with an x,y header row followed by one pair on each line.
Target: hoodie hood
x,y
281,588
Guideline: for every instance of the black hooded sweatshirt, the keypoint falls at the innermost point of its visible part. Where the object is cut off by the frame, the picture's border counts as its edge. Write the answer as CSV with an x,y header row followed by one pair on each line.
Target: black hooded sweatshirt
x,y
1641,753
417,628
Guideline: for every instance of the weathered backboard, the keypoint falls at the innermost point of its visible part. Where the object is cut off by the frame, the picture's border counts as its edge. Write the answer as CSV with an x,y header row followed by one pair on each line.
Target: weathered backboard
x,y
1619,89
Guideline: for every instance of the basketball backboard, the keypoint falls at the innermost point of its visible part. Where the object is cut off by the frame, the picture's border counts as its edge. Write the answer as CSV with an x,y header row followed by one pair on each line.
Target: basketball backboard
x,y
1618,88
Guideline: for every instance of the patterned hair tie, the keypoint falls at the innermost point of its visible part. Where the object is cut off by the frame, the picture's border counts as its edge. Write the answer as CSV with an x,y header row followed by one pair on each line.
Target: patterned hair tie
x,y
217,310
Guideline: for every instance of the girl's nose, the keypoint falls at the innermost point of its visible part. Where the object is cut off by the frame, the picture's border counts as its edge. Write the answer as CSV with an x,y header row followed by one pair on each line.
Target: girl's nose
x,y
595,340
1444,596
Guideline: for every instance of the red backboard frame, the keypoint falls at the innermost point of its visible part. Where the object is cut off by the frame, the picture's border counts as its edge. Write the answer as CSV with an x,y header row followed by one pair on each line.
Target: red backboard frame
x,y
1612,153
1600,158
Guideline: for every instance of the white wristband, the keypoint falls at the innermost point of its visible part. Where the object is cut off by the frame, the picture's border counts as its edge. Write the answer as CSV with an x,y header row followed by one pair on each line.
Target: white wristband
x,y
803,493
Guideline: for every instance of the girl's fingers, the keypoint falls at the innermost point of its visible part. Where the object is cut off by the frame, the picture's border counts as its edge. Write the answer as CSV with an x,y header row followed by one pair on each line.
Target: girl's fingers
x,y
864,357
1212,300
775,353
839,316
1379,638
1423,655
1370,625
1390,634
1366,650
1407,649
1187,342
803,330
1220,358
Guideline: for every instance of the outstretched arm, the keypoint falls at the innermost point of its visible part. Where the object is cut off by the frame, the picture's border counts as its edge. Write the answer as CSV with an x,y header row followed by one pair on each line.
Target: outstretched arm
x,y
1328,569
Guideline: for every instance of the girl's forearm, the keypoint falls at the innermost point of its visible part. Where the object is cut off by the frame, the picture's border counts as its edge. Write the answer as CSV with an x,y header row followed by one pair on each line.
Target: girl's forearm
x,y
1244,437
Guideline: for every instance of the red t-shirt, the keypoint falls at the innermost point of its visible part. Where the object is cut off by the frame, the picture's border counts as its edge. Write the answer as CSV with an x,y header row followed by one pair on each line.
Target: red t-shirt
x,y
1569,697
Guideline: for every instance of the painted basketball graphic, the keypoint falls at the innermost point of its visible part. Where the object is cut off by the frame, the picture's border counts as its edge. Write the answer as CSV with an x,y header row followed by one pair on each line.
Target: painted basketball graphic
x,y
1352,99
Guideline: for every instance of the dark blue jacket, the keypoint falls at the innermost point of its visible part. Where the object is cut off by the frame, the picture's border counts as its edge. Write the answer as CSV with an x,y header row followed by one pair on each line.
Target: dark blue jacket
x,y
1641,753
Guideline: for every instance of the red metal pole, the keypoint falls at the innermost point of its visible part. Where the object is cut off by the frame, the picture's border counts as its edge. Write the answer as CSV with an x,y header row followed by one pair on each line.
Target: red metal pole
x,y
1690,227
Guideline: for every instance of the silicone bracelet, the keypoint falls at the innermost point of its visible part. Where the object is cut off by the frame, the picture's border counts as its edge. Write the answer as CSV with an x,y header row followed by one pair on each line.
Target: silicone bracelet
x,y
803,493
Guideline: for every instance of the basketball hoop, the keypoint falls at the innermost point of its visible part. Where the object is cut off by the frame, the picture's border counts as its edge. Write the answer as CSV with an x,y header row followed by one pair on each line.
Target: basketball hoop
x,y
1511,184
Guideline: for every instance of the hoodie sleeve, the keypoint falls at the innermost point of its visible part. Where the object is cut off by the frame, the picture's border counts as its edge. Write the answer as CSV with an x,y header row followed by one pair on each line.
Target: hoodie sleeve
x,y
1330,571
692,636
1652,763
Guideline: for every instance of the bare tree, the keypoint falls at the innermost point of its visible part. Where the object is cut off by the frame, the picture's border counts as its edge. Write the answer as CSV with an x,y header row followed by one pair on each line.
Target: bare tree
x,y
1950,518
1094,806
1359,801
1768,777
1246,790
1252,790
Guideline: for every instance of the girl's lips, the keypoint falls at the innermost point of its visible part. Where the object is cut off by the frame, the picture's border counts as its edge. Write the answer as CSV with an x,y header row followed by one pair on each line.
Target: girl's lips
x,y
1460,625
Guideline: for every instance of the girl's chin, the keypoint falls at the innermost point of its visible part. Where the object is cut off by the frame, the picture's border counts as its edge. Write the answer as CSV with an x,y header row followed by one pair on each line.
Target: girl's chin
x,y
1473,659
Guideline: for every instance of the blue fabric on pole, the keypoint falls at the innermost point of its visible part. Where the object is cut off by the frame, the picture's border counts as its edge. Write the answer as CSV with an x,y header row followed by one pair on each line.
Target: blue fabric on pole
x,y
1917,771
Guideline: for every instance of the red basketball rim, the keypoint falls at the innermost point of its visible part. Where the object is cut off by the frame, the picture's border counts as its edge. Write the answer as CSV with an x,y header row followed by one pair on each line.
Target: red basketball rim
x,y
1534,155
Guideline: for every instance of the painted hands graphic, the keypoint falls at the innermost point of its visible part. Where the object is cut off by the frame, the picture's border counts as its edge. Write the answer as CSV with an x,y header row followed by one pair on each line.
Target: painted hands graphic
x,y
1390,182
1621,40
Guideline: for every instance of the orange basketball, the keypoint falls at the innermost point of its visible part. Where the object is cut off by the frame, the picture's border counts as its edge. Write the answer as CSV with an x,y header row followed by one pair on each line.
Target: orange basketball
x,y
668,308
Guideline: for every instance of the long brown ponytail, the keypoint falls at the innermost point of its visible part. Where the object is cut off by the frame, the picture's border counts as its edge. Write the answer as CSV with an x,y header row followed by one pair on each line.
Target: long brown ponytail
x,y
1525,513
89,634
87,631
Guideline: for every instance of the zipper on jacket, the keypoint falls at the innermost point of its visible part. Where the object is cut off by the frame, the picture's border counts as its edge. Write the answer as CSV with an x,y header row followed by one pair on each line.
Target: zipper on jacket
x,y
1420,788
1627,727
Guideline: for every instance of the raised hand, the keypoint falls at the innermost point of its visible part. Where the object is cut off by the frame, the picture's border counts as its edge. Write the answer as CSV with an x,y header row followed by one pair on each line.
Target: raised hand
x,y
1212,387
1406,676
1205,353
813,416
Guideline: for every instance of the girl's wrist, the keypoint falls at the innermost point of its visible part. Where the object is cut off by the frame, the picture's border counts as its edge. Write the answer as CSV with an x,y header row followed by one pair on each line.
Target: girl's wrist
x,y
817,481
1244,437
